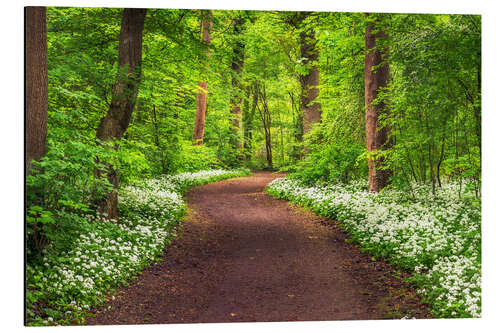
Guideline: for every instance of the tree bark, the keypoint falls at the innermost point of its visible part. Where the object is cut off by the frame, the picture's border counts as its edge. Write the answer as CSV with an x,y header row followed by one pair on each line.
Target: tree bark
x,y
265,116
376,79
249,115
115,123
311,109
298,128
201,99
441,158
237,68
36,84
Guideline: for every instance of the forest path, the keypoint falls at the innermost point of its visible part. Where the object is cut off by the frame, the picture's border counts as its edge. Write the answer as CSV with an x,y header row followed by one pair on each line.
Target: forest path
x,y
243,256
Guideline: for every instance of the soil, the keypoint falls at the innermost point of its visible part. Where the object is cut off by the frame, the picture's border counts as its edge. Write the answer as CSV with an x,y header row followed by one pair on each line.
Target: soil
x,y
243,256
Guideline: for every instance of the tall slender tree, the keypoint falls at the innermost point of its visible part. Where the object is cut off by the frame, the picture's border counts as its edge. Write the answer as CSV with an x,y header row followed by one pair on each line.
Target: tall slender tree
x,y
248,118
376,79
36,84
201,99
115,123
237,68
298,129
309,81
265,117
309,108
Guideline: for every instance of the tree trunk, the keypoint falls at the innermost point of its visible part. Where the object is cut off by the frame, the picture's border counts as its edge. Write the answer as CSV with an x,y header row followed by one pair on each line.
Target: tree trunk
x,y
477,107
376,78
157,139
249,114
282,146
36,84
265,116
201,99
114,124
237,68
298,127
441,158
311,109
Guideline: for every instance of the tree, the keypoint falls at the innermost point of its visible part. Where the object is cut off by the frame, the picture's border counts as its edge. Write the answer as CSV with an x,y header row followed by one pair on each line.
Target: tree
x,y
309,107
201,99
265,117
36,84
298,127
115,123
309,81
237,68
248,117
376,79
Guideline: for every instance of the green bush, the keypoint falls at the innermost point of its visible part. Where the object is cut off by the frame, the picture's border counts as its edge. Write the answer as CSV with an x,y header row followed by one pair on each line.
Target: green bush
x,y
60,187
332,163
195,158
132,162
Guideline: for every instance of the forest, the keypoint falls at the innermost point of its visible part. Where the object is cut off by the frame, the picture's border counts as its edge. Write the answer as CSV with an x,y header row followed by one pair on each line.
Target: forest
x,y
374,118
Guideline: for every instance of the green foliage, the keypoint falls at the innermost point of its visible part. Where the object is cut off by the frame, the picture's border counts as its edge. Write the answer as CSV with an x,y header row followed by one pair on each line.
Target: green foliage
x,y
434,62
132,162
330,161
434,96
64,284
332,164
58,188
194,158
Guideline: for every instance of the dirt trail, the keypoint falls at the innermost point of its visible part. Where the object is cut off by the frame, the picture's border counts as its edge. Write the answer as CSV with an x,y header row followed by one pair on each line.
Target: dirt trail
x,y
244,256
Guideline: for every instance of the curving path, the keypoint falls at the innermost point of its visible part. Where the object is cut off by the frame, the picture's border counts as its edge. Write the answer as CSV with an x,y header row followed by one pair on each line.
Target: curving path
x,y
244,256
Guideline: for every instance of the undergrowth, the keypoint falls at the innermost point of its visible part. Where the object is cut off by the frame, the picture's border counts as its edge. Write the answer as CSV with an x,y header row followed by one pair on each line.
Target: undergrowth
x,y
67,282
436,237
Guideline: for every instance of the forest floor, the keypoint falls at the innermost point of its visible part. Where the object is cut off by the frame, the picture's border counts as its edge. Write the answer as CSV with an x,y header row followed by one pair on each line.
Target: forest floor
x,y
243,256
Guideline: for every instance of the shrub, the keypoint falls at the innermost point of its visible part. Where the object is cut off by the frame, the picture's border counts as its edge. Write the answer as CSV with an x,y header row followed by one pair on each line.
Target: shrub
x,y
59,188
331,163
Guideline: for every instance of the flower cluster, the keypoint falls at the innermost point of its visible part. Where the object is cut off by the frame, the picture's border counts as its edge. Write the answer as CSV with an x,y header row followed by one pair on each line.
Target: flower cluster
x,y
438,236
107,254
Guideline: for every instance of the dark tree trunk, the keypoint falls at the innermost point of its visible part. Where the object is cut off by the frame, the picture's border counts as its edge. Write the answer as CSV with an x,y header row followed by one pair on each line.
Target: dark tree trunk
x,y
201,99
282,146
237,68
297,128
477,107
249,115
265,116
441,158
114,124
245,110
376,78
157,139
311,109
36,84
